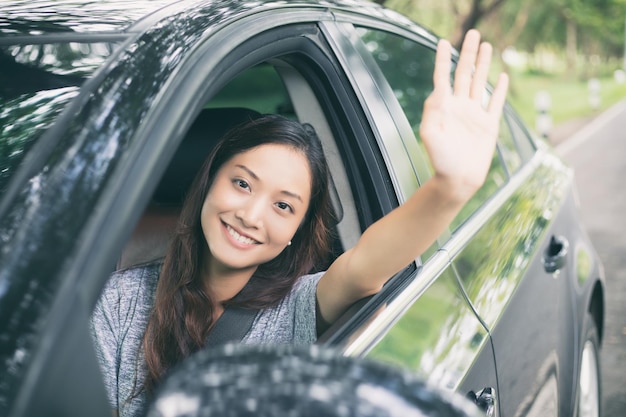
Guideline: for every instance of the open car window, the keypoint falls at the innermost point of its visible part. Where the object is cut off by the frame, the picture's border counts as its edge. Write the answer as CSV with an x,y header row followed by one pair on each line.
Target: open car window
x,y
275,87
408,66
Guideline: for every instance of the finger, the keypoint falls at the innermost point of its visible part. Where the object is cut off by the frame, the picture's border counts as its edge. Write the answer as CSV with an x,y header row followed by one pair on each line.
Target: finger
x,y
443,64
498,97
465,67
479,81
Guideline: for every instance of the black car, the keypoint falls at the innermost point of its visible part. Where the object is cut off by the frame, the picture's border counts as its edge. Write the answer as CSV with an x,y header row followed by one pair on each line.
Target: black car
x,y
107,110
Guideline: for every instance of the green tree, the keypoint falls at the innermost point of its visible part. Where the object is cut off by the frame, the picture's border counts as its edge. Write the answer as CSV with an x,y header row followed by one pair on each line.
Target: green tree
x,y
577,26
448,18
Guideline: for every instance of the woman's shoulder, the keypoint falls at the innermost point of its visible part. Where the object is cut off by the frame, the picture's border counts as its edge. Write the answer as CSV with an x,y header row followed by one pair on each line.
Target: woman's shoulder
x,y
123,308
292,320
141,270
133,282
146,271
306,282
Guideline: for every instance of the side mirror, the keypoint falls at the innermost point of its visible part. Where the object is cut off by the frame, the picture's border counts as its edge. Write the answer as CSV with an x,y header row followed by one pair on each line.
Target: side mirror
x,y
285,381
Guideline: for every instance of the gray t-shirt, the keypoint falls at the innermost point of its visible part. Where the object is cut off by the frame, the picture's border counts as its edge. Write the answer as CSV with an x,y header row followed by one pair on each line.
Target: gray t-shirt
x,y
121,316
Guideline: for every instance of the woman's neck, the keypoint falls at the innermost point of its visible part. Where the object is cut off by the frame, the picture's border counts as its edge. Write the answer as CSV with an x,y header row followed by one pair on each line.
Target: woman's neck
x,y
223,283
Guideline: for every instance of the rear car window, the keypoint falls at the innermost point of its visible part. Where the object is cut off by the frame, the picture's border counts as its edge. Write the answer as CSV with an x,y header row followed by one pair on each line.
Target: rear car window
x,y
522,138
408,68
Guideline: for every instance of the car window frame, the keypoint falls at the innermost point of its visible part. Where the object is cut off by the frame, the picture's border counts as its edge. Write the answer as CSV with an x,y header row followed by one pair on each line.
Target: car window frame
x,y
364,165
369,168
373,195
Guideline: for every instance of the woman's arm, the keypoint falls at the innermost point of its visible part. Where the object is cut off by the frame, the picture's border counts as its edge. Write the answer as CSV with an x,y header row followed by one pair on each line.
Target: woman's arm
x,y
460,136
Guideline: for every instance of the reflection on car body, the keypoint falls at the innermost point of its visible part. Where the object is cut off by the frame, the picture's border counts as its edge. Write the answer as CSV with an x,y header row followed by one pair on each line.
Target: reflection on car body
x,y
97,102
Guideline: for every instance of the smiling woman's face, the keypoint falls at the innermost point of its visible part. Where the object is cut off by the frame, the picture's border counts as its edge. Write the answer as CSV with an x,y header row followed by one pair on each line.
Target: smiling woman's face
x,y
256,203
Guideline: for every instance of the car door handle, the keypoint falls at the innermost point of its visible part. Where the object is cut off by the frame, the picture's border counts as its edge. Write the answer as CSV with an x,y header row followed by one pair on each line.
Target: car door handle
x,y
485,400
555,254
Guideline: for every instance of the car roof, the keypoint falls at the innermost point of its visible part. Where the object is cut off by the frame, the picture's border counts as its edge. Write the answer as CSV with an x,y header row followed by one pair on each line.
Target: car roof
x,y
20,18
37,17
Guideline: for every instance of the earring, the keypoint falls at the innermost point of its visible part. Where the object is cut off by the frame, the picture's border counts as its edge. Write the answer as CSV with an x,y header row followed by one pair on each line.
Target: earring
x,y
289,243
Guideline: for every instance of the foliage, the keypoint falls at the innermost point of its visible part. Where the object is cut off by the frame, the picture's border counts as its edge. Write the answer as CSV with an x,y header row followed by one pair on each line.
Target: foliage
x,y
597,27
592,27
563,43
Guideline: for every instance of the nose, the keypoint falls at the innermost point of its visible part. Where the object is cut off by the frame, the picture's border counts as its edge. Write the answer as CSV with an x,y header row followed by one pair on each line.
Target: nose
x,y
251,213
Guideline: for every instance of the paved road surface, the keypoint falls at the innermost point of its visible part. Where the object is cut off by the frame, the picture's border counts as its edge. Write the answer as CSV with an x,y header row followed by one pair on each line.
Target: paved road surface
x,y
598,155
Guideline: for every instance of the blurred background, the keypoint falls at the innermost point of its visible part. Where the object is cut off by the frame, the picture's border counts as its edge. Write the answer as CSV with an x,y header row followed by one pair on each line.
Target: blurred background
x,y
573,50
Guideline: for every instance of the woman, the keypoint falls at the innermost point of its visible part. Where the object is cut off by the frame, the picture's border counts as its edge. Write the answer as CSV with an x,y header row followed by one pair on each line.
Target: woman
x,y
256,220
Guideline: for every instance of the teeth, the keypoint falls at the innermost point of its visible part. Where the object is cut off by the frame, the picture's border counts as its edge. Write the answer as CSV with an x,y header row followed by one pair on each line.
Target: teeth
x,y
240,238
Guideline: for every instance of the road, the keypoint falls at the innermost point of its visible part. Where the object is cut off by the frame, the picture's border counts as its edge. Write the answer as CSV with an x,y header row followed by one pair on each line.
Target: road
x,y
598,155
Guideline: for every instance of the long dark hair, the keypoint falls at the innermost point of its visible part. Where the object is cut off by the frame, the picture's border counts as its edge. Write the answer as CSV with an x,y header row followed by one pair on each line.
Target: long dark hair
x,y
183,311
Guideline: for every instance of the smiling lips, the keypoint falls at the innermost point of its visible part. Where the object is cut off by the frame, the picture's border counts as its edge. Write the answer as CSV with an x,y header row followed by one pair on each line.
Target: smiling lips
x,y
239,237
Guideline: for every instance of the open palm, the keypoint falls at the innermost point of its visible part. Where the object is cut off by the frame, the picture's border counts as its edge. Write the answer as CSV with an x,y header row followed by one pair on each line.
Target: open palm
x,y
459,132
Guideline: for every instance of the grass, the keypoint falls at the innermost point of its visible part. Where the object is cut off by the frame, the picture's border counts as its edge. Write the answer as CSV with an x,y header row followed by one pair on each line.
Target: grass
x,y
569,97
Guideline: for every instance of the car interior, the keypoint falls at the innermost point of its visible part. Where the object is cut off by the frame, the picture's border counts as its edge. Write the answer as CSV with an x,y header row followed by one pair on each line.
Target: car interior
x,y
289,95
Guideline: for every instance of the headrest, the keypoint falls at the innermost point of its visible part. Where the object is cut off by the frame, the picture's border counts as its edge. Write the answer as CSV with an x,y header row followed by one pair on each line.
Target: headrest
x,y
205,132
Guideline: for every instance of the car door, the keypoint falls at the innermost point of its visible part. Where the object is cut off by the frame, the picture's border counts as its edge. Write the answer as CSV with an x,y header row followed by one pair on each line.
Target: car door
x,y
526,303
421,320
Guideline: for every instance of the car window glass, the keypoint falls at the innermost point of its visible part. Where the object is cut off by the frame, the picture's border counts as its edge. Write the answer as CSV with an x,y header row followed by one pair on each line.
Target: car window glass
x,y
496,178
36,83
408,68
436,336
521,136
508,149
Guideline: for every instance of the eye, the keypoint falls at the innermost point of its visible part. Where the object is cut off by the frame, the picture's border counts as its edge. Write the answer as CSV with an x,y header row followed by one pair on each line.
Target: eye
x,y
284,206
241,184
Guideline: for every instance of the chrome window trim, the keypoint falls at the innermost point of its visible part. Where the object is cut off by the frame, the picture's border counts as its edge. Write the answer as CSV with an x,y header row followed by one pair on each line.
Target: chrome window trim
x,y
364,341
477,220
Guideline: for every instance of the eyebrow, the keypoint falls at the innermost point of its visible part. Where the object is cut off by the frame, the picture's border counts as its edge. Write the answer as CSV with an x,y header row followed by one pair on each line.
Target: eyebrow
x,y
253,175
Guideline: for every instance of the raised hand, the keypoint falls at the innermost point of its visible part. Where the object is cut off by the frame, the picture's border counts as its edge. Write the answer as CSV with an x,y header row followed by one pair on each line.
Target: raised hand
x,y
458,130
460,136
